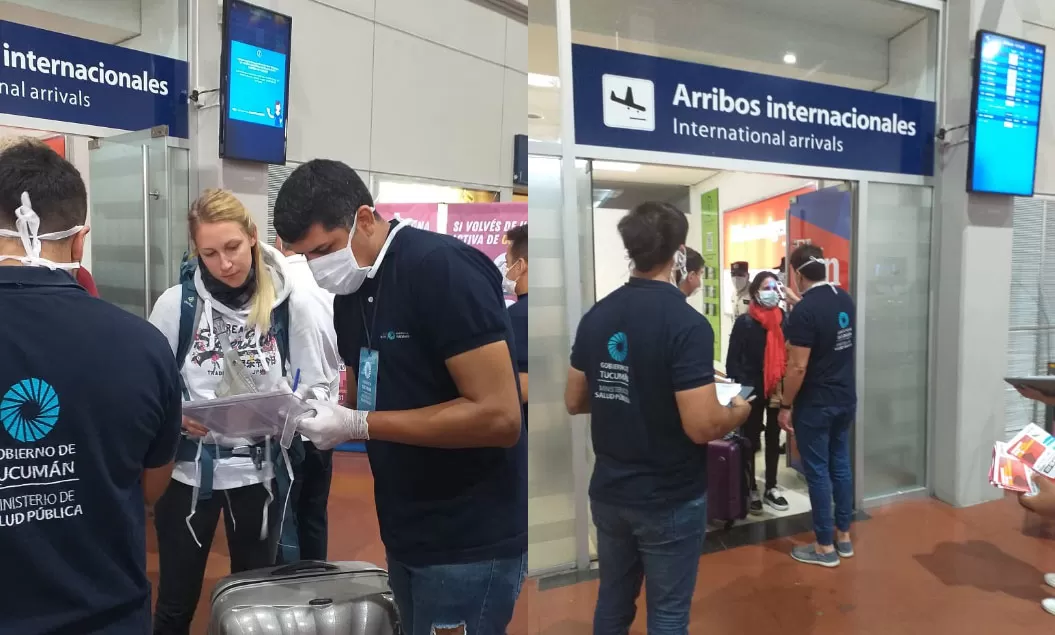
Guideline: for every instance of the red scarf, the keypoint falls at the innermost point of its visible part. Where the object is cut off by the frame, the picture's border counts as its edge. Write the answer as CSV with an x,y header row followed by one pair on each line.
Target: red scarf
x,y
776,357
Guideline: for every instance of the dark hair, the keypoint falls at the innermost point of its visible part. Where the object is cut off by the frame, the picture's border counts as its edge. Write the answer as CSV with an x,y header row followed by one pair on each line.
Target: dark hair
x,y
802,263
56,189
518,241
319,191
759,278
693,260
651,233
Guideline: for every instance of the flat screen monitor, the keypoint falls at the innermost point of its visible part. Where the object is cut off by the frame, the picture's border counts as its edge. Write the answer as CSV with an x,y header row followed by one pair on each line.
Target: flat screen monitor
x,y
1005,115
254,85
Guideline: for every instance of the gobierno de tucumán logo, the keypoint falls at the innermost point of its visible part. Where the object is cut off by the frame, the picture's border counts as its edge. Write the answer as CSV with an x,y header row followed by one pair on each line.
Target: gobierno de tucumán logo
x,y
29,410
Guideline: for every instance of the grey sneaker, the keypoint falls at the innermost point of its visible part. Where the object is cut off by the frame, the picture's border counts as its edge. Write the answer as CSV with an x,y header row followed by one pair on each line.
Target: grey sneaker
x,y
755,506
844,549
808,554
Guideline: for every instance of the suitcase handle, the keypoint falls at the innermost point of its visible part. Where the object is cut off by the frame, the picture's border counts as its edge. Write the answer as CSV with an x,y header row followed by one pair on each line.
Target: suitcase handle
x,y
302,567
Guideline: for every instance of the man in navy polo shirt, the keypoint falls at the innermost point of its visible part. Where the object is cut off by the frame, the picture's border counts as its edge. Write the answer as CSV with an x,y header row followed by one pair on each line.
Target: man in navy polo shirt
x,y
820,385
90,411
421,319
517,278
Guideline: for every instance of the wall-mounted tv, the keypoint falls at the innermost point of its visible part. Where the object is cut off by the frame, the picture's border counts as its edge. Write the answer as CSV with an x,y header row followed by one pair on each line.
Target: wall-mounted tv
x,y
1005,115
254,83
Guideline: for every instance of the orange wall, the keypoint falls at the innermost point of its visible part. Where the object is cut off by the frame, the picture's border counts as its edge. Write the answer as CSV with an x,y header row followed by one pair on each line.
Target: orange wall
x,y
756,233
58,144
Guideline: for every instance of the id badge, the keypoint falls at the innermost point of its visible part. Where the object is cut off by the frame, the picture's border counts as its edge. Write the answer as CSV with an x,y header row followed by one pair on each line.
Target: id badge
x,y
366,396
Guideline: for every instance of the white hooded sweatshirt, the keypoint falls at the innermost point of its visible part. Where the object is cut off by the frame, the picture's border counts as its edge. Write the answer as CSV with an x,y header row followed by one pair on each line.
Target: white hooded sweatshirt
x,y
204,366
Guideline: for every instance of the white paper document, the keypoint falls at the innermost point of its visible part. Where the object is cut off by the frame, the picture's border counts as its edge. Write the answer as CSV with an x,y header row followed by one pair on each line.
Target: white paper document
x,y
726,392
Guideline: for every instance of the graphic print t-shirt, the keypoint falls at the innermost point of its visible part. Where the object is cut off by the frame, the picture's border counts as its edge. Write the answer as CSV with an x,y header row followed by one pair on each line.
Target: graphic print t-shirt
x,y
639,346
204,369
823,321
89,397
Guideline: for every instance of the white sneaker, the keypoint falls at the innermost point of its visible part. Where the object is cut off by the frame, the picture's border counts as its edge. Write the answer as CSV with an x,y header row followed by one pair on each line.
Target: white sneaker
x,y
1049,605
1049,579
775,499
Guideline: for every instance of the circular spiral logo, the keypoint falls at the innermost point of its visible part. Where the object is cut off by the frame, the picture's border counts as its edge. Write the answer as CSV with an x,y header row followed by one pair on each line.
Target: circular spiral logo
x,y
844,320
29,410
618,347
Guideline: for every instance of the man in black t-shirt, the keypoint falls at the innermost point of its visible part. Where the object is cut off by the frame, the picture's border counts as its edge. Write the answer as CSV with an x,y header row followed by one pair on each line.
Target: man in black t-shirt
x,y
820,385
90,412
421,322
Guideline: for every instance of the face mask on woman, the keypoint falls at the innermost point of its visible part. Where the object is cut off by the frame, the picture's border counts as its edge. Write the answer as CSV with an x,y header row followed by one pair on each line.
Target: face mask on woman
x,y
768,298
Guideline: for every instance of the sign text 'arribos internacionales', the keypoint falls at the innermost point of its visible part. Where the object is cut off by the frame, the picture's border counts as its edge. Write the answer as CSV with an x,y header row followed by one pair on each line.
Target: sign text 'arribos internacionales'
x,y
58,77
638,102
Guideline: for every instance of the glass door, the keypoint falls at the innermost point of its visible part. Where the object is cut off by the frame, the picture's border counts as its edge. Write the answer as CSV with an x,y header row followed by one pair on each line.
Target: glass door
x,y
140,193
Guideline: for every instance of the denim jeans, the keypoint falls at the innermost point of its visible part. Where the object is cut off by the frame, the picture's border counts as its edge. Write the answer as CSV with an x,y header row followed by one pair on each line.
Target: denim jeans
x,y
823,436
661,547
477,596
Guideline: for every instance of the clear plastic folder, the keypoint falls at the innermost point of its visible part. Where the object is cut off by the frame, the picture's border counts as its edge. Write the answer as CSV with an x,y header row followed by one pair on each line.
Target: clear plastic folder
x,y
252,415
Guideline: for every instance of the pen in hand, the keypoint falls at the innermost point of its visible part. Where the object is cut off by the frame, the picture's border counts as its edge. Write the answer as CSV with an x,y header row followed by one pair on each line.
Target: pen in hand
x,y
296,380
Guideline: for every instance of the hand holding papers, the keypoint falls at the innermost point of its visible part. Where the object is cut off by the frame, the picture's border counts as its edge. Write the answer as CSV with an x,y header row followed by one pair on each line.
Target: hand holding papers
x,y
1017,463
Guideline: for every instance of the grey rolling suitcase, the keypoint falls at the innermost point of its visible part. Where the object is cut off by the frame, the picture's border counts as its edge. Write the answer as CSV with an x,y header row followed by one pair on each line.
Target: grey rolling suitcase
x,y
306,598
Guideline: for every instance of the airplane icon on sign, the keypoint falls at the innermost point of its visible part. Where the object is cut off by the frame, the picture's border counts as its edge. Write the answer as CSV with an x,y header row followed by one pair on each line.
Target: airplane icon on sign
x,y
628,101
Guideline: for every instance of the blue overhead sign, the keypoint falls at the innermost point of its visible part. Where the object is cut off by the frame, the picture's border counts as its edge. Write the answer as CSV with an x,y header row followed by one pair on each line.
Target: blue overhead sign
x,y
64,78
625,100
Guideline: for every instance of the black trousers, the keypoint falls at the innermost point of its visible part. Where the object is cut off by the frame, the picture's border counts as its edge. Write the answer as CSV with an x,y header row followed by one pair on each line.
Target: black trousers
x,y
753,428
308,499
182,561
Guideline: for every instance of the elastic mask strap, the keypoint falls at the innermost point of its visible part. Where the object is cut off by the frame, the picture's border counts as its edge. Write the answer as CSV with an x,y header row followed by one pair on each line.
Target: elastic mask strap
x,y
194,495
27,226
269,476
285,503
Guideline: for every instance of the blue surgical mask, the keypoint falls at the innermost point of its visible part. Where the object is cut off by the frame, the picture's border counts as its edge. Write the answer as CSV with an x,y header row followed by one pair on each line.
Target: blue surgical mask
x,y
768,298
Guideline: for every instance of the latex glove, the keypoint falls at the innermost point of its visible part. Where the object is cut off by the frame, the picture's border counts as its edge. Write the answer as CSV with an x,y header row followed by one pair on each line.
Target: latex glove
x,y
332,425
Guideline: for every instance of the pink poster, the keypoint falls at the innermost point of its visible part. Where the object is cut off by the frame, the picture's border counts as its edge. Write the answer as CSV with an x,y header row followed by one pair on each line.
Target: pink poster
x,y
421,215
484,226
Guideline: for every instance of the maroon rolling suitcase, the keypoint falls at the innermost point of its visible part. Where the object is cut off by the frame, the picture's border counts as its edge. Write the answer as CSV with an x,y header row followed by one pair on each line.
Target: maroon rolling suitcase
x,y
727,489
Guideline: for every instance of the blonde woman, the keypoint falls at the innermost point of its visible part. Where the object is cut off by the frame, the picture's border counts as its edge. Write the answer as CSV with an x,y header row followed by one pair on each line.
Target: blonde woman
x,y
245,304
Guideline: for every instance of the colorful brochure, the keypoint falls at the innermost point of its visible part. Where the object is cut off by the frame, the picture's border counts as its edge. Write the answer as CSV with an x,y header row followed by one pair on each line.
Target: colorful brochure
x,y
1009,473
1036,448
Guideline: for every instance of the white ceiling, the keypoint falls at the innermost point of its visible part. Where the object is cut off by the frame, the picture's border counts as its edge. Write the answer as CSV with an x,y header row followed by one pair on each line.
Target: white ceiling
x,y
881,18
109,21
654,175
839,42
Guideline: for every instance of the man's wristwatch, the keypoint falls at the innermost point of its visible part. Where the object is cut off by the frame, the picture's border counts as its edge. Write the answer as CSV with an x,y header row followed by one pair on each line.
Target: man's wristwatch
x,y
785,407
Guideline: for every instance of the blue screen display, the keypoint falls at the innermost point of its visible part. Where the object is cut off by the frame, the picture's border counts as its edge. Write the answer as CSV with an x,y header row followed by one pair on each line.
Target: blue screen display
x,y
256,84
1006,119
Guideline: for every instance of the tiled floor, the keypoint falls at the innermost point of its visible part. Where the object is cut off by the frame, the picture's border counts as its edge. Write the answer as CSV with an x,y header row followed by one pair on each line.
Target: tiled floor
x,y
353,536
922,567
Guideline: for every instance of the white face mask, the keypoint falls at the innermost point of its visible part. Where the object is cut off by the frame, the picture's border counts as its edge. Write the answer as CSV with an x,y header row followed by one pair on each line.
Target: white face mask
x,y
678,272
340,273
509,285
740,283
27,224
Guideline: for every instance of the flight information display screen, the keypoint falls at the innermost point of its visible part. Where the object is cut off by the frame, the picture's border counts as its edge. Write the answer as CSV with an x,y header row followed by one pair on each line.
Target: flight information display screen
x,y
255,86
1005,124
